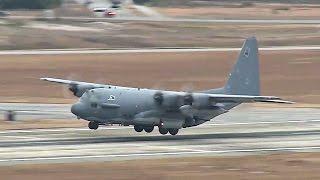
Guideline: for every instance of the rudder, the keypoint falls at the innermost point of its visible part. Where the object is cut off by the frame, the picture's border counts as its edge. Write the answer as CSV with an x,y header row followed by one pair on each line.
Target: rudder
x,y
244,79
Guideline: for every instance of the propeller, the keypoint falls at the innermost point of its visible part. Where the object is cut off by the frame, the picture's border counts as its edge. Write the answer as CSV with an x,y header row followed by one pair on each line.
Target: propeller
x,y
187,87
186,100
158,98
159,85
72,87
162,98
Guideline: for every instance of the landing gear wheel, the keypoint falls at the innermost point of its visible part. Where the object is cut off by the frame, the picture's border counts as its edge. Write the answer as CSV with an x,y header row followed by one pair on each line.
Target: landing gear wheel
x,y
163,131
148,129
138,128
93,125
173,131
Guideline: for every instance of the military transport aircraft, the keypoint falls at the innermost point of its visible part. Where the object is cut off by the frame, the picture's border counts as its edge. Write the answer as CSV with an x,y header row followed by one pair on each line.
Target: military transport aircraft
x,y
169,110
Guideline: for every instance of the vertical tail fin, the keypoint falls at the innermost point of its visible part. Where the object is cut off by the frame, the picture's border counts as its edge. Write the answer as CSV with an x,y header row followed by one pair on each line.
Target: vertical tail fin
x,y
244,79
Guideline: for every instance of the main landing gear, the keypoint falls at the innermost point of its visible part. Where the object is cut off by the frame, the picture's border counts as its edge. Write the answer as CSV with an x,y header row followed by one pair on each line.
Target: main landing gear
x,y
173,131
138,128
147,129
93,125
165,131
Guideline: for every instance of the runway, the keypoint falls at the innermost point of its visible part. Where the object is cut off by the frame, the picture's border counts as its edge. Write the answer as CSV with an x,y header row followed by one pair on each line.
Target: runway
x,y
245,130
26,111
186,20
147,50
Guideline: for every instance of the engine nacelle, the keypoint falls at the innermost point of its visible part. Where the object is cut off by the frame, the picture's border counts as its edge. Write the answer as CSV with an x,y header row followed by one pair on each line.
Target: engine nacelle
x,y
200,101
166,100
79,90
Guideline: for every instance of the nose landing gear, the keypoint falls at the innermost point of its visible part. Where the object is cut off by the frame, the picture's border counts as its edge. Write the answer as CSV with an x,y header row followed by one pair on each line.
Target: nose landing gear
x,y
93,125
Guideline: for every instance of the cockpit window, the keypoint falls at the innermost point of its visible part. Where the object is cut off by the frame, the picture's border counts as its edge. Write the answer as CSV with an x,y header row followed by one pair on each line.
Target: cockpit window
x,y
94,105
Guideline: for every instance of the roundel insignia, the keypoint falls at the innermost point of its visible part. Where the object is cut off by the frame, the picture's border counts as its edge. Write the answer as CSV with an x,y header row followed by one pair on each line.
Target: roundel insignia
x,y
111,98
247,52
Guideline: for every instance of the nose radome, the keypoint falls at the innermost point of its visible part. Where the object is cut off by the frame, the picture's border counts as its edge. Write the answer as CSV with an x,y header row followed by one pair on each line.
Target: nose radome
x,y
76,109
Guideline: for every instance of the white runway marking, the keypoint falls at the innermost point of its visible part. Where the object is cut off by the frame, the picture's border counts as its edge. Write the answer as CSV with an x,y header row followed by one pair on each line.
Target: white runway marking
x,y
163,154
122,51
131,127
168,19
61,130
263,122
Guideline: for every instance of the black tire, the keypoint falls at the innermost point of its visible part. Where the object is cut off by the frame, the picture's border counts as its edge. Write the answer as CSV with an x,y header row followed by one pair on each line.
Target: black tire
x,y
138,128
173,131
148,129
93,125
163,131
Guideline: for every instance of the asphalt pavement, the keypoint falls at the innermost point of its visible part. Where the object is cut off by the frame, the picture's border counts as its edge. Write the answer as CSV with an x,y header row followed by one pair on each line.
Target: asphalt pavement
x,y
245,130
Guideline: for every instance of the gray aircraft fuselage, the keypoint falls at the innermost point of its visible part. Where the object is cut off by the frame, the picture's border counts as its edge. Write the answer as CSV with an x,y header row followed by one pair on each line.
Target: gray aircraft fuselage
x,y
135,106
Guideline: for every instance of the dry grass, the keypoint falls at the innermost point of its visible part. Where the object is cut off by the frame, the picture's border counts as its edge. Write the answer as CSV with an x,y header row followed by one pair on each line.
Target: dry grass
x,y
292,74
258,11
17,35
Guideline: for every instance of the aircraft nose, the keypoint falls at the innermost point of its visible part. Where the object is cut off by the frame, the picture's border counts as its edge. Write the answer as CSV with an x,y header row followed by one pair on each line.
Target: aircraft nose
x,y
76,109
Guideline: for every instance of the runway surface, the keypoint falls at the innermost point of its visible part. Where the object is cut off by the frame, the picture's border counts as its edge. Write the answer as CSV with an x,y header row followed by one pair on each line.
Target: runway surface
x,y
168,19
164,50
244,130
26,111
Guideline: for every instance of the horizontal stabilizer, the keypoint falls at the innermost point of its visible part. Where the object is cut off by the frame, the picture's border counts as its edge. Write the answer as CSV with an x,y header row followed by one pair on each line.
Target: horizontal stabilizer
x,y
225,98
278,101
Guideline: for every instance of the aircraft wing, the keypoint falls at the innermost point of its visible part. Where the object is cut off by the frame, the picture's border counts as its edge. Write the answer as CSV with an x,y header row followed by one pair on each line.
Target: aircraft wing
x,y
222,98
70,82
77,87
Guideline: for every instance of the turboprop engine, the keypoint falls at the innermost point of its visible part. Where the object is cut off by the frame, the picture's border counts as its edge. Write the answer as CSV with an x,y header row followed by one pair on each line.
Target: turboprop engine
x,y
197,100
187,103
78,89
166,100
